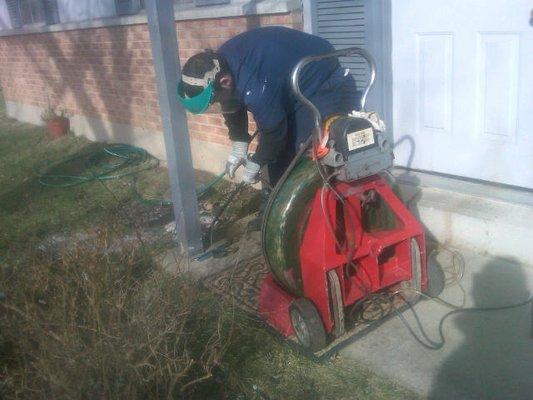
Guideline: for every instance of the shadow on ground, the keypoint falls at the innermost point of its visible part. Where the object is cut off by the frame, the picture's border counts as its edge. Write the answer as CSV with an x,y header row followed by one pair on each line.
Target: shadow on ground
x,y
495,357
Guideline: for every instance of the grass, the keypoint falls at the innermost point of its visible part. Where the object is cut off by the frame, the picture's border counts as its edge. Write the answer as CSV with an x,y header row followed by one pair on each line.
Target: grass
x,y
90,320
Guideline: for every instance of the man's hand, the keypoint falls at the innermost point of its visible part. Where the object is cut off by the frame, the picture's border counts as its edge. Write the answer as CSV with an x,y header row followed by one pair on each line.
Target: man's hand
x,y
251,172
236,158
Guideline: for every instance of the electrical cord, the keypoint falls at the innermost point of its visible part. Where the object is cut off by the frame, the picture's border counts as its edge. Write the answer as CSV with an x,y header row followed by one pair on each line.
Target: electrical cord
x,y
453,276
458,267
455,310
382,303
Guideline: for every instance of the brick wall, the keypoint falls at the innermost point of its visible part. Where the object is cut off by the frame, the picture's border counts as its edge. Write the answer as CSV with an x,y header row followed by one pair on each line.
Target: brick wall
x,y
107,73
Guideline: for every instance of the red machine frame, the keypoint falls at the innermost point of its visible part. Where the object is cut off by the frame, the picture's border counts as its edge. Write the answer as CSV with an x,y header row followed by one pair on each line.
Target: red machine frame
x,y
379,260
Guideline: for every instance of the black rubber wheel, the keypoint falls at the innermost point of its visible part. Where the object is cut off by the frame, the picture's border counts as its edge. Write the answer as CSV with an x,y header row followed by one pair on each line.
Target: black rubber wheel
x,y
435,276
307,324
412,287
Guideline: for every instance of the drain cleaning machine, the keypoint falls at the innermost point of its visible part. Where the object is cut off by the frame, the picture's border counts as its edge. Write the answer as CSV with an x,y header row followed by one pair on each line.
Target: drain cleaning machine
x,y
334,233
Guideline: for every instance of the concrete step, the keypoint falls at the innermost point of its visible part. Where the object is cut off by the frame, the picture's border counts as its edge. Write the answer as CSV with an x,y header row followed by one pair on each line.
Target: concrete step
x,y
486,218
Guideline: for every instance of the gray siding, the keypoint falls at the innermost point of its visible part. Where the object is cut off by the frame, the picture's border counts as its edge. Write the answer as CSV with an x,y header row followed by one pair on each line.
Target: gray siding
x,y
362,23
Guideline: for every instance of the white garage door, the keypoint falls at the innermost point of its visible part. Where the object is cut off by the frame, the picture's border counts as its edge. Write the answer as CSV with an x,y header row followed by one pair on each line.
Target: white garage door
x,y
463,87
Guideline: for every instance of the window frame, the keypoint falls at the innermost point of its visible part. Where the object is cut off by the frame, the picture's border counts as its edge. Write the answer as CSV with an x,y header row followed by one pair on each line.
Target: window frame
x,y
207,3
50,13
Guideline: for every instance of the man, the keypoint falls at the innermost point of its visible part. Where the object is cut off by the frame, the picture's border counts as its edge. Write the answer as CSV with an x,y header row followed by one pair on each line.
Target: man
x,y
251,72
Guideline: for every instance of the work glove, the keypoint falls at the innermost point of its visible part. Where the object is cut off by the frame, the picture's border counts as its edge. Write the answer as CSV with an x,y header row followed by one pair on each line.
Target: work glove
x,y
236,158
251,172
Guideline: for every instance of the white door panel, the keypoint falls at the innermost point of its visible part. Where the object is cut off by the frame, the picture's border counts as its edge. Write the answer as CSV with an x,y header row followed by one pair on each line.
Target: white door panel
x,y
462,88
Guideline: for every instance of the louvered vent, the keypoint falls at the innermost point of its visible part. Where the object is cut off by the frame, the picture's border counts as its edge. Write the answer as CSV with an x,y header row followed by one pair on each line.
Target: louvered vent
x,y
343,24
127,7
13,9
51,12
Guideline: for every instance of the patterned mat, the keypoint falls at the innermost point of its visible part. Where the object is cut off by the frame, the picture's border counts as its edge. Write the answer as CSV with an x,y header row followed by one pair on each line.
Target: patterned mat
x,y
240,284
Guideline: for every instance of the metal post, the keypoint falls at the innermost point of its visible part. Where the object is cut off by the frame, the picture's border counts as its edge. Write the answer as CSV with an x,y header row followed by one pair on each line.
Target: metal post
x,y
167,69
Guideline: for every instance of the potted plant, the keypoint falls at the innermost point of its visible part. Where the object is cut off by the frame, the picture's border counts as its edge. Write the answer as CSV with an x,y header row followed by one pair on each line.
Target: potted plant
x,y
57,123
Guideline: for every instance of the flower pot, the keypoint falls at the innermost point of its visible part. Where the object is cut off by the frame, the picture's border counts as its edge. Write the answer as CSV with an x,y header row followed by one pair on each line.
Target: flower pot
x,y
57,127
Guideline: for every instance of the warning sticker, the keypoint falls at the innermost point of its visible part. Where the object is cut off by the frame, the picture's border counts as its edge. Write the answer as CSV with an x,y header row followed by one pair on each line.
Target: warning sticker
x,y
359,139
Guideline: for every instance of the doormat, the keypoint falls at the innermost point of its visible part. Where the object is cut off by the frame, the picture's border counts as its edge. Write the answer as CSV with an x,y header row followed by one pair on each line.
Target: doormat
x,y
241,283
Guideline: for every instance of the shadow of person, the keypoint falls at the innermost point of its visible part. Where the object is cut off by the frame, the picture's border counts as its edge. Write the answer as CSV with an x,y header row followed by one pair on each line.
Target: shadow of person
x,y
495,359
404,182
407,186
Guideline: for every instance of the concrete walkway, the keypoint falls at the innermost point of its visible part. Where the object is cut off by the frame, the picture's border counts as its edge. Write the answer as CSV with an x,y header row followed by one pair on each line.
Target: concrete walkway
x,y
486,355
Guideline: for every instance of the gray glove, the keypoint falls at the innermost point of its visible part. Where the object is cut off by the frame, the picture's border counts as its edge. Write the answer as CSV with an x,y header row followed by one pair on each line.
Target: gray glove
x,y
251,172
236,158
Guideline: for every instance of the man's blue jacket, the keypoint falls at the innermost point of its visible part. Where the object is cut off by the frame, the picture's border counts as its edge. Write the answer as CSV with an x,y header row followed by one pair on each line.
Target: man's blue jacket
x,y
261,62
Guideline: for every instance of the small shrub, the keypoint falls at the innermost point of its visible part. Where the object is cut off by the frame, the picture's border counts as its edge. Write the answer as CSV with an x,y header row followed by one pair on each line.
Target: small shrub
x,y
50,113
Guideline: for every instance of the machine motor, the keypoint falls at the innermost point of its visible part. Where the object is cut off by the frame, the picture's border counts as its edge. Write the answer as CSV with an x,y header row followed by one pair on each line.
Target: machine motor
x,y
357,146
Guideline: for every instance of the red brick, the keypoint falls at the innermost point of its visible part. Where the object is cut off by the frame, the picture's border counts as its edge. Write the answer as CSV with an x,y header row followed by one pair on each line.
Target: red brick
x,y
108,72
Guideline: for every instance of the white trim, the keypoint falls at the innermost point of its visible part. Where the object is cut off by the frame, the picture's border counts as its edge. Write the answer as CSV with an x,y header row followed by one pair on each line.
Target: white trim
x,y
190,12
307,8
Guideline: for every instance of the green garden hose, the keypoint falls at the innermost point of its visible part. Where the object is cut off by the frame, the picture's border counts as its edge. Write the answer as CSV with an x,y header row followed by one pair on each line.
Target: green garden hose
x,y
112,162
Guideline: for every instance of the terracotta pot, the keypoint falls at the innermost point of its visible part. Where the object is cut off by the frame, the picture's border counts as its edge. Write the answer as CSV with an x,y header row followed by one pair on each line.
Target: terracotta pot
x,y
57,127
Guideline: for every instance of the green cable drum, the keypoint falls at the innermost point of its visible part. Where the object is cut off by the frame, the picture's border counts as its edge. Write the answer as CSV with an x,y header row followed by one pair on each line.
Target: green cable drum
x,y
285,220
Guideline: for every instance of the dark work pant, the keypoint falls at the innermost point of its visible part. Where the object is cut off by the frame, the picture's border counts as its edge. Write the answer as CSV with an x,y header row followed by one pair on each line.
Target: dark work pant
x,y
299,127
338,95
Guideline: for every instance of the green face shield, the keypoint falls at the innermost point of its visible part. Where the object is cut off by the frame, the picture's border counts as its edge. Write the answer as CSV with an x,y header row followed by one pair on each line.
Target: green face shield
x,y
199,103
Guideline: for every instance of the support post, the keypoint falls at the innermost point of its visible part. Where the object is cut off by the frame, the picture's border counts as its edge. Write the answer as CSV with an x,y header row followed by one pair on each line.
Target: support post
x,y
164,44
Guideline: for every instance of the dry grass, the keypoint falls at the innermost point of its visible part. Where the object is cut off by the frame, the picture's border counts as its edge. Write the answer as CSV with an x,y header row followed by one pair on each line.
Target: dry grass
x,y
86,324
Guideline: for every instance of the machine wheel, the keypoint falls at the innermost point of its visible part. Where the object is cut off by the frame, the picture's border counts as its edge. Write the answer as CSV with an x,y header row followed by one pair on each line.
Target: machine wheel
x,y
307,324
413,286
435,274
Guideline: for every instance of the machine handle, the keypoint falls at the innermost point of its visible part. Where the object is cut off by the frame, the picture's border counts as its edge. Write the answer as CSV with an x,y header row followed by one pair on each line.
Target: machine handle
x,y
295,76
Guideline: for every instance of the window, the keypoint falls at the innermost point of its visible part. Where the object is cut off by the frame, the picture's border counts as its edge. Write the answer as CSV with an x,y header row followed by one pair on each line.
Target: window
x,y
128,7
32,12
